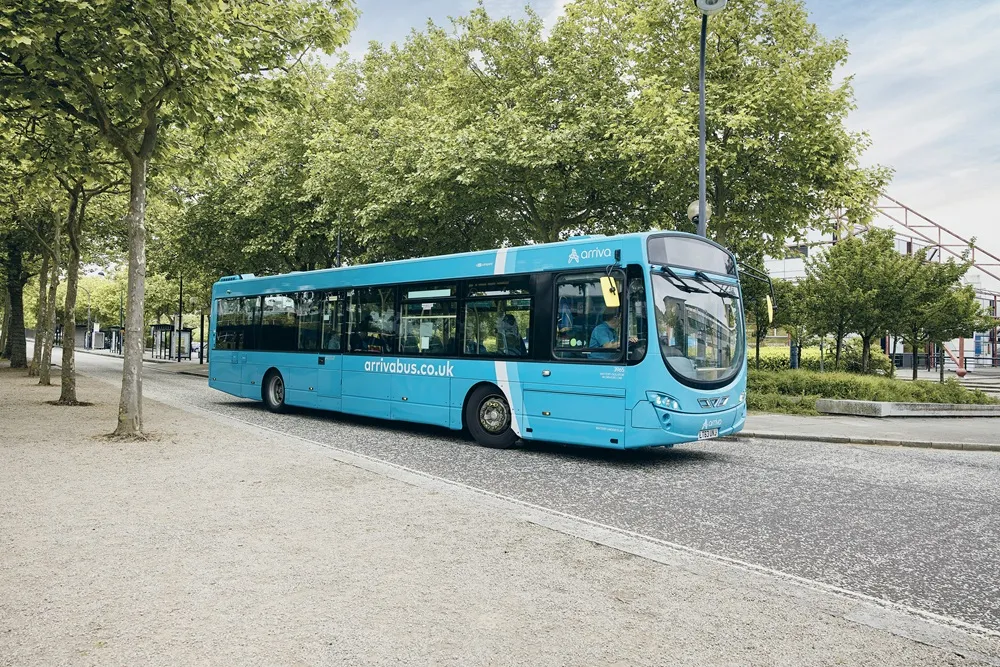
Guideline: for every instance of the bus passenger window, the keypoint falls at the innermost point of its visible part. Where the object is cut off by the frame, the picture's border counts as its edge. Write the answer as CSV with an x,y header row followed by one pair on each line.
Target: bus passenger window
x,y
498,318
585,327
307,310
371,325
278,324
331,325
428,328
236,323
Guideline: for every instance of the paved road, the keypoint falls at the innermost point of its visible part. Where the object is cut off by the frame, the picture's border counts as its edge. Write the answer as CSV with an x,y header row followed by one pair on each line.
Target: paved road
x,y
915,527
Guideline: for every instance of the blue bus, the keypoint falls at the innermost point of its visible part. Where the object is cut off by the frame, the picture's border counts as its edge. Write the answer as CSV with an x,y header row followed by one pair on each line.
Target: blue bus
x,y
622,341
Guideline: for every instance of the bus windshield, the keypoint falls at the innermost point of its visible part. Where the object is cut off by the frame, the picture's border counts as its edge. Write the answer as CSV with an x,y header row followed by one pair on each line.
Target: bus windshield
x,y
699,327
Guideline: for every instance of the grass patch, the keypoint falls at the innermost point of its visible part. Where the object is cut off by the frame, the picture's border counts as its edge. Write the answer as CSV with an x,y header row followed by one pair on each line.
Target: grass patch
x,y
789,405
773,391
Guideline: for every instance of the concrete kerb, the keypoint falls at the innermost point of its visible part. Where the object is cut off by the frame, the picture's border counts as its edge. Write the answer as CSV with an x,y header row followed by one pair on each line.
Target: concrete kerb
x,y
883,442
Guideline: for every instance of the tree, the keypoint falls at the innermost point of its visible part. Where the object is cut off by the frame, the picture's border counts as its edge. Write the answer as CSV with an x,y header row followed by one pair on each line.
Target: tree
x,y
875,280
791,314
829,301
779,155
131,68
936,306
755,295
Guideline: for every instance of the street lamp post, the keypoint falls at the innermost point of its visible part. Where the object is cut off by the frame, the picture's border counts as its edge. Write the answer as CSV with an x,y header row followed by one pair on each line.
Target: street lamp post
x,y
707,8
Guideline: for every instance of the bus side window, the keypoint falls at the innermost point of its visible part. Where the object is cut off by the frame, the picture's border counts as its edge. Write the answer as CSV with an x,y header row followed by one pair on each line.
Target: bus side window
x,y
371,326
332,324
307,311
236,323
497,318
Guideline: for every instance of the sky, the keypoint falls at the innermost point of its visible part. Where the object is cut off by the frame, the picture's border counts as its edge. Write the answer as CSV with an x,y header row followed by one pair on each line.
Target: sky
x,y
926,76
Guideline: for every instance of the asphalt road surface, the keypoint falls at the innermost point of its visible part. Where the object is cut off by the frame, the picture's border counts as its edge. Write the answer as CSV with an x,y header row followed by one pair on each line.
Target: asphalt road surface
x,y
915,527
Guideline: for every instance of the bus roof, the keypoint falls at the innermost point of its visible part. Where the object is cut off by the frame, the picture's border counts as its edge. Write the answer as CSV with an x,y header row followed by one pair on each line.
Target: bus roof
x,y
575,252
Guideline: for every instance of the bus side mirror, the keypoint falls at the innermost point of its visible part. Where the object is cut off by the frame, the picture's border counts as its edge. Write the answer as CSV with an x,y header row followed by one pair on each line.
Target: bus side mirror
x,y
610,290
770,309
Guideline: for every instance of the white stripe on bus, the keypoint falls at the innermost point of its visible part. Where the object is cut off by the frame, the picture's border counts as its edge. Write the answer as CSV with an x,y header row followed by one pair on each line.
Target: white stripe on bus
x,y
504,384
500,266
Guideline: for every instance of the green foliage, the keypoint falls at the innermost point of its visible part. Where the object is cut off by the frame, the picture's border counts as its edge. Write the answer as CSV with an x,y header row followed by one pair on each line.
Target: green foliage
x,y
791,405
775,117
495,132
777,358
936,307
847,386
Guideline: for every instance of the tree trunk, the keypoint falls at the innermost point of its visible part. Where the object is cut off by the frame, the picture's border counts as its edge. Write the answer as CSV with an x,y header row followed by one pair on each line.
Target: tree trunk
x,y
5,324
840,348
757,339
915,358
49,332
130,406
45,367
15,294
43,281
866,351
67,396
940,358
892,359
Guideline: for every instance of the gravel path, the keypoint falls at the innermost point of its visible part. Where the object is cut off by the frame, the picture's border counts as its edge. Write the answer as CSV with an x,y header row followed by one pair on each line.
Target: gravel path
x,y
219,543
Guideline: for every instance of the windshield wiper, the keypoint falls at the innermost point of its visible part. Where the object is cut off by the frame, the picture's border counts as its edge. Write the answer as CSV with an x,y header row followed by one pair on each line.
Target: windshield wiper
x,y
679,282
723,290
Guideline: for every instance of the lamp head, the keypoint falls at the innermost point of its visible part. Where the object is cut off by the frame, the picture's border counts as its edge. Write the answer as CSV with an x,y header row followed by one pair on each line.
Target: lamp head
x,y
693,211
709,7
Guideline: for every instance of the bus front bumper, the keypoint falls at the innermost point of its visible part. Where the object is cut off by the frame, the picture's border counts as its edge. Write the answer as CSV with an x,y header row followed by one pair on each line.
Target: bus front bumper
x,y
653,426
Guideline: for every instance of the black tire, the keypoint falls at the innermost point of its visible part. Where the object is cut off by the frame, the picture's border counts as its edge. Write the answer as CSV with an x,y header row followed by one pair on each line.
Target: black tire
x,y
273,392
488,417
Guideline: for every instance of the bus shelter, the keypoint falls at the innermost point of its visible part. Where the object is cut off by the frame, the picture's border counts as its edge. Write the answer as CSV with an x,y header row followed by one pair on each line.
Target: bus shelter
x,y
166,340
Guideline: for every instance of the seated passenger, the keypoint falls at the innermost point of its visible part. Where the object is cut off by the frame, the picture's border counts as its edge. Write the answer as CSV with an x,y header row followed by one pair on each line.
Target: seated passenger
x,y
472,347
509,341
565,316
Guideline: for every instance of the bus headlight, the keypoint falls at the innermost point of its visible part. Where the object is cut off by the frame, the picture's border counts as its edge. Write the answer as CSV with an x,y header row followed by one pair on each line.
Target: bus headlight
x,y
662,400
743,397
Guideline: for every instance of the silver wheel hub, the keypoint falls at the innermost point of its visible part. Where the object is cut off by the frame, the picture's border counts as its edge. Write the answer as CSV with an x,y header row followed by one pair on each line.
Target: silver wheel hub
x,y
277,391
494,415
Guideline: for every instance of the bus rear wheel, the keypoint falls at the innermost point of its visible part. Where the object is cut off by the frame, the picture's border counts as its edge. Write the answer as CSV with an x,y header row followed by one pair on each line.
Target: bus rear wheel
x,y
489,418
274,392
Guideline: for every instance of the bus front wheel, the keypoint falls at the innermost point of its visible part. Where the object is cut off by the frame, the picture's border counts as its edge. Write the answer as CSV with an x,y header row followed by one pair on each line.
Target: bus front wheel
x,y
274,392
488,416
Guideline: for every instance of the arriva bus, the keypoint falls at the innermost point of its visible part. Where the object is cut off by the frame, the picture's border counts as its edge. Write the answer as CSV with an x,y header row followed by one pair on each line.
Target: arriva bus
x,y
545,342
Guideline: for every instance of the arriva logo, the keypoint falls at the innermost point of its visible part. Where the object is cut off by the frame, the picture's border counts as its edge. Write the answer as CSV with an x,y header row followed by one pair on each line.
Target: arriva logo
x,y
595,253
715,423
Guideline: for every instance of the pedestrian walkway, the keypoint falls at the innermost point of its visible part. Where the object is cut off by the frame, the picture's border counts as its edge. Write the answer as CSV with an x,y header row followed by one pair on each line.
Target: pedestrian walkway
x,y
972,433
223,539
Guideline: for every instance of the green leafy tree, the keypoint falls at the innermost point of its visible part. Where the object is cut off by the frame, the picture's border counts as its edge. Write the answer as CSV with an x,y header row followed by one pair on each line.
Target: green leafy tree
x,y
130,69
792,315
936,306
779,155
829,301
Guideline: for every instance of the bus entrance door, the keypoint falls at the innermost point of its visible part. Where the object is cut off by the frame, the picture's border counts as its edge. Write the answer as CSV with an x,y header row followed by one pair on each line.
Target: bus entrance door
x,y
580,404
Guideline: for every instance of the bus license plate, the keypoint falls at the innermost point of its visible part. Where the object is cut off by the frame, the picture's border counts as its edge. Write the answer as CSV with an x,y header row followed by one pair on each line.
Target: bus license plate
x,y
708,434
